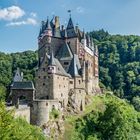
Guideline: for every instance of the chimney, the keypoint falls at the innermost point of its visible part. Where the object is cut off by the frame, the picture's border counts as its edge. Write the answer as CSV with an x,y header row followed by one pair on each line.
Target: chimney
x,y
57,24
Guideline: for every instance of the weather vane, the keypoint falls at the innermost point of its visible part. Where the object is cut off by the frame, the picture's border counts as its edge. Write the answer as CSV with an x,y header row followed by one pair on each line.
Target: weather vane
x,y
69,11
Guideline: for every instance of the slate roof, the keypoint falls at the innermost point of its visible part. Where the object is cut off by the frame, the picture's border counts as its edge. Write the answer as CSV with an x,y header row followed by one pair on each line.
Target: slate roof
x,y
65,53
70,24
59,68
23,85
52,60
74,66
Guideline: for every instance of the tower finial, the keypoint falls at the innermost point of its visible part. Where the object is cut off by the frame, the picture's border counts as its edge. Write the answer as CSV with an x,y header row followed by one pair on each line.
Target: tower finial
x,y
69,11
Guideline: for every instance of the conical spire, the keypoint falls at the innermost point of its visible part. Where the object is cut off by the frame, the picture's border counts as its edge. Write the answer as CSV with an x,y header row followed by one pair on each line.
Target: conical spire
x,y
52,22
84,35
43,26
92,44
70,24
52,59
73,69
96,49
40,32
47,26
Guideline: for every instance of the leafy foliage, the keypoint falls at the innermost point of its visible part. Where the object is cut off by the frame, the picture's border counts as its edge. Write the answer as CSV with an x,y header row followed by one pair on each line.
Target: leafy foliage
x,y
26,61
117,121
54,113
16,129
119,63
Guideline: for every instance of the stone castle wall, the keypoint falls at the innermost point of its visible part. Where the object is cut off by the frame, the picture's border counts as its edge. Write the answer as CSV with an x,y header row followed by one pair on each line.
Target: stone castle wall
x,y
40,111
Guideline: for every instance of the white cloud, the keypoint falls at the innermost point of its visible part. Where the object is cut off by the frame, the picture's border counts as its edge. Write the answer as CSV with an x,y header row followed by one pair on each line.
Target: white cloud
x,y
11,13
29,21
80,9
33,14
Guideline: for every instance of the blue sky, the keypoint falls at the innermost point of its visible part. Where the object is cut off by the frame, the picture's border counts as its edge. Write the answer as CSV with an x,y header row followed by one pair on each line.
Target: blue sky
x,y
20,19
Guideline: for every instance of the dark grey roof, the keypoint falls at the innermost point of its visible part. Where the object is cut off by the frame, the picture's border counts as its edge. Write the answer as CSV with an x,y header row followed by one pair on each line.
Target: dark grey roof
x,y
71,32
70,24
65,53
23,85
74,66
59,68
52,60
47,25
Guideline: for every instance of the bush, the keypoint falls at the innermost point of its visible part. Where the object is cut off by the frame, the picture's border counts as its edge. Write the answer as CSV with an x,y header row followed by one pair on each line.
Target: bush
x,y
54,113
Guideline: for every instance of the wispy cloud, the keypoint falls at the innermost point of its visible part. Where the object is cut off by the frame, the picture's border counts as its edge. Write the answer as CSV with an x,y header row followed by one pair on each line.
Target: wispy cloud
x,y
29,21
33,14
11,13
80,9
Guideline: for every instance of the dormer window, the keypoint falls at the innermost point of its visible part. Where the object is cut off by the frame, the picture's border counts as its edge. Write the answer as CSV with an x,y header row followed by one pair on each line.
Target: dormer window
x,y
51,69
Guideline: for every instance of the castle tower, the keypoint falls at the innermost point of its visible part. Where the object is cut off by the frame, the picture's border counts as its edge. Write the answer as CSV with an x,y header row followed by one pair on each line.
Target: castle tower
x,y
44,44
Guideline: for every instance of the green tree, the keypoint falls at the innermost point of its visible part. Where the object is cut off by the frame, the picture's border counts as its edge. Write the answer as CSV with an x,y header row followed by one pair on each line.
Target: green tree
x,y
16,129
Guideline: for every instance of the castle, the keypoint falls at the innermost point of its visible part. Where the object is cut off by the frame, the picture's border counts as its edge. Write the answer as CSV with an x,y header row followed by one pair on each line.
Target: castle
x,y
67,71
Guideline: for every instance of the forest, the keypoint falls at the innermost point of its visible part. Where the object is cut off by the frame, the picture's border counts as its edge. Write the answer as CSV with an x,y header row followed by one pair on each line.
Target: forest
x,y
119,72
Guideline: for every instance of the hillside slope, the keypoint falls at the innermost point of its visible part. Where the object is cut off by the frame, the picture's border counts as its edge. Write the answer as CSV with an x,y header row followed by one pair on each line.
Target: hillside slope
x,y
107,118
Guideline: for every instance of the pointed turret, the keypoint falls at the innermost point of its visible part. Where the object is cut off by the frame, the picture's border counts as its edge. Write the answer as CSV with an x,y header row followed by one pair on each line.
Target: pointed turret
x,y
92,44
52,64
52,59
89,41
74,66
48,31
70,24
52,22
18,76
43,26
71,32
47,25
84,41
96,50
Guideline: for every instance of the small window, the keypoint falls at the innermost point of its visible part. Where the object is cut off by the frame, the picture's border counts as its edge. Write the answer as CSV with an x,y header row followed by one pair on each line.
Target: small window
x,y
43,69
59,86
57,77
71,82
43,84
79,81
66,63
39,77
44,77
79,91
